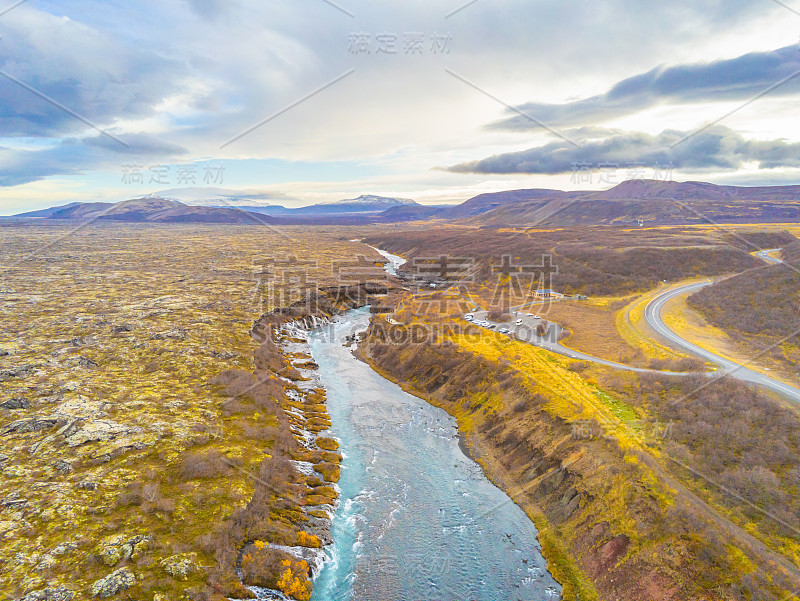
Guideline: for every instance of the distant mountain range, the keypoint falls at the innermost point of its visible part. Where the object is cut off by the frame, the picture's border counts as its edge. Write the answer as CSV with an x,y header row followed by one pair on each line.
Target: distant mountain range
x,y
630,203
647,202
360,205
144,210
633,202
208,196
156,209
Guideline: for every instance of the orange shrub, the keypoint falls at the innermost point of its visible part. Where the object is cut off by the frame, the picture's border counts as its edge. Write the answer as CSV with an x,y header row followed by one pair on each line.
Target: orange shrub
x,y
294,580
304,539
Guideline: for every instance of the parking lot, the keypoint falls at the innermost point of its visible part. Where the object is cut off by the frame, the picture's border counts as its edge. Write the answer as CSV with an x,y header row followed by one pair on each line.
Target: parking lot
x,y
523,325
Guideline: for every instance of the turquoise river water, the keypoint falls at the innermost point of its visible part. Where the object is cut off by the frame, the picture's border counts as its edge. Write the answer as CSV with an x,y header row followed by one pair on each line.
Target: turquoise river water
x,y
417,520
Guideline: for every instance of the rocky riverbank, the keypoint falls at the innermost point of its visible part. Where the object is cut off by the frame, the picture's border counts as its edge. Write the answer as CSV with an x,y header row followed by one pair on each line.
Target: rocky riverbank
x,y
284,355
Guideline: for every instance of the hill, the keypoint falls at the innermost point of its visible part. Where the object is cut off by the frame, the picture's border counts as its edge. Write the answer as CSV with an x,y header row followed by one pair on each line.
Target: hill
x,y
46,213
147,210
156,209
260,202
632,202
651,202
474,206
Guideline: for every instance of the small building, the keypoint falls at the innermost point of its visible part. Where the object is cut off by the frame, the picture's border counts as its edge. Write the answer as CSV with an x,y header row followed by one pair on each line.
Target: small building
x,y
548,294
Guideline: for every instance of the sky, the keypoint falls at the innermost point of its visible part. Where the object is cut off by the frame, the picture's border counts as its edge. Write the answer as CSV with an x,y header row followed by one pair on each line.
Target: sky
x,y
301,101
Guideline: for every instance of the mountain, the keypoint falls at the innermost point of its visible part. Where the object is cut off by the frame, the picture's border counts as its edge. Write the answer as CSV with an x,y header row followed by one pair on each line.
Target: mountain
x,y
364,209
650,189
147,210
630,203
261,202
206,196
649,202
46,213
487,202
362,204
157,209
409,213
474,206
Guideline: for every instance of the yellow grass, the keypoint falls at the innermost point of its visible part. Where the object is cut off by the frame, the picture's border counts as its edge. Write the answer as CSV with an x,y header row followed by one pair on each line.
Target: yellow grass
x,y
572,397
633,327
692,326
63,295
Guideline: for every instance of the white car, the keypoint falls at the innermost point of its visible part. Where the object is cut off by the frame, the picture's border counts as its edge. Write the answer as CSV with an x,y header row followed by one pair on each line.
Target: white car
x,y
469,317
519,322
536,317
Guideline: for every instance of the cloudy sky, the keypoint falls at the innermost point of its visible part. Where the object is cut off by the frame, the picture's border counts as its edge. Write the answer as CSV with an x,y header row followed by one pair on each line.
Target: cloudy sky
x,y
303,101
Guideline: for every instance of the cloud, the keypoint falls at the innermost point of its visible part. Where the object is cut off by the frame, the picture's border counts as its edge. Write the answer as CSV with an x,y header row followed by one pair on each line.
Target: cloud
x,y
91,73
740,78
715,149
198,72
209,9
74,156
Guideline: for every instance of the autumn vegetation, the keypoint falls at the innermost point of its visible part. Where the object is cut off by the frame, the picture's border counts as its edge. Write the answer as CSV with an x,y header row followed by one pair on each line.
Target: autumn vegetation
x,y
597,261
596,477
147,330
759,308
642,486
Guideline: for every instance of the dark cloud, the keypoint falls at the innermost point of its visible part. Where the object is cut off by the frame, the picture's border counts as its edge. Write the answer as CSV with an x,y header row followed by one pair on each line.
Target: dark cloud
x,y
717,148
740,78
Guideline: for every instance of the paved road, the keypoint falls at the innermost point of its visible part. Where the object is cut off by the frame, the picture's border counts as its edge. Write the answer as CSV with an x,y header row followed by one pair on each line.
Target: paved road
x,y
653,316
765,255
526,332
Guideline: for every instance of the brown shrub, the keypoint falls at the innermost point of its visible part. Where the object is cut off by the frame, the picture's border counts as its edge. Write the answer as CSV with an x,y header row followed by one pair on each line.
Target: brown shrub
x,y
208,464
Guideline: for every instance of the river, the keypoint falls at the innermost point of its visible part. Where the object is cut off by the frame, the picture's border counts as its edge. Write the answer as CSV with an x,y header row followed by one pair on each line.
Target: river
x,y
417,519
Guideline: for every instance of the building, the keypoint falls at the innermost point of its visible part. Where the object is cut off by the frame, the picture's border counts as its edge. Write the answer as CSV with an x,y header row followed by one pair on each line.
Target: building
x,y
548,294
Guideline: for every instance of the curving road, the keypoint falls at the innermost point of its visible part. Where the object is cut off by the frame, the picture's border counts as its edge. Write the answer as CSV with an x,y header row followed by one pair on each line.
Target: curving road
x,y
766,255
550,341
653,316
527,333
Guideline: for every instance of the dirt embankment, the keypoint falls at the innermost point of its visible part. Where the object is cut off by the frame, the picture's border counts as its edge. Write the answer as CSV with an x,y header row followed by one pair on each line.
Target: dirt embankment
x,y
609,528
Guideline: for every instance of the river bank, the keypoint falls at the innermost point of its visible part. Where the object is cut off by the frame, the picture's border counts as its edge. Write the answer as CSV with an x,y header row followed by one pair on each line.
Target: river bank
x,y
355,560
296,493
